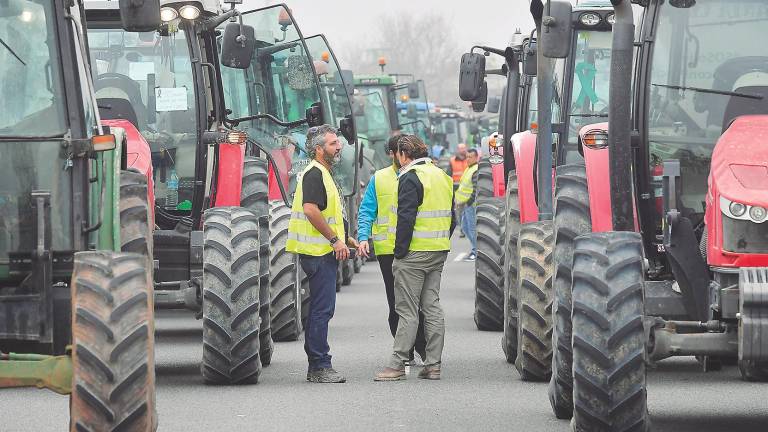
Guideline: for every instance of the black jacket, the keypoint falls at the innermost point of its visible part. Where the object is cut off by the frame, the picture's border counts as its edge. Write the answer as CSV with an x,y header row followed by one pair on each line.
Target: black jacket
x,y
410,195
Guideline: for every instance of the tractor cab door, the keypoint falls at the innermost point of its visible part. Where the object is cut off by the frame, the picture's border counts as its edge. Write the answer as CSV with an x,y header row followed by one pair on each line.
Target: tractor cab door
x,y
373,128
269,96
337,110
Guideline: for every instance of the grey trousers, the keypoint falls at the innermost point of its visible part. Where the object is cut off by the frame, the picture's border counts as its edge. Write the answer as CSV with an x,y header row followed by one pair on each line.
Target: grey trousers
x,y
417,287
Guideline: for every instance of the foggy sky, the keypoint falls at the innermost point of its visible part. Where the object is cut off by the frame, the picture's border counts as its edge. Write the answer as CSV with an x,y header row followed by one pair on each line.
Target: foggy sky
x,y
345,22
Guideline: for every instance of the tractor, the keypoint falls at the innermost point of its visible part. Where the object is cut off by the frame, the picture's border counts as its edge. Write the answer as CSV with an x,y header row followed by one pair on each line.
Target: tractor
x,y
76,292
573,90
670,254
277,86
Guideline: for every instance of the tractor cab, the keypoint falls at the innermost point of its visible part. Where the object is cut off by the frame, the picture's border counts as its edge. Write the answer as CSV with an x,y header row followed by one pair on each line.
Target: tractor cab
x,y
373,128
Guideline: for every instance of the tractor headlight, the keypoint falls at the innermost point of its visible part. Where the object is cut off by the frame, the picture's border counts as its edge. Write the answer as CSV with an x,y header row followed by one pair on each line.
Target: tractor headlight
x,y
168,14
189,12
611,18
737,209
757,214
590,19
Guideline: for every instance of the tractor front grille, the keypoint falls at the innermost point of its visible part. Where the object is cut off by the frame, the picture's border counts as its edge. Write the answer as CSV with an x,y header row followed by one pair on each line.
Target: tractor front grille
x,y
742,236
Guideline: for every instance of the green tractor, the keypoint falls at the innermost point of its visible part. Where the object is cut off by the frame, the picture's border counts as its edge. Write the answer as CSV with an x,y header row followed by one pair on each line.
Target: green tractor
x,y
76,306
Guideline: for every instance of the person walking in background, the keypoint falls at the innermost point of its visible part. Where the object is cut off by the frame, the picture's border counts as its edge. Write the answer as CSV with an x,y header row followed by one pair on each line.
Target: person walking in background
x,y
459,163
375,223
422,240
316,232
466,195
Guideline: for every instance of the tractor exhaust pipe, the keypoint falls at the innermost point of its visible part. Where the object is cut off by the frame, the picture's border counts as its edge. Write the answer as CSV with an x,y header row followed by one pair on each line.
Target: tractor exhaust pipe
x,y
619,117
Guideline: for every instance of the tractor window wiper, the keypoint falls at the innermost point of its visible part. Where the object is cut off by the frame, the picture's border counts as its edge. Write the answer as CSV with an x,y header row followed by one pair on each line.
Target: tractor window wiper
x,y
13,53
711,91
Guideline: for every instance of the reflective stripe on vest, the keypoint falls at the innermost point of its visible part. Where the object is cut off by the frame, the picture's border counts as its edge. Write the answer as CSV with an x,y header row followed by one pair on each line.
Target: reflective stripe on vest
x,y
464,192
383,229
431,232
303,237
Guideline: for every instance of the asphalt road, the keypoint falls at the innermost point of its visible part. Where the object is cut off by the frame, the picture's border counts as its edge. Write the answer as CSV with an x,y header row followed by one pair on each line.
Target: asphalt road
x,y
479,390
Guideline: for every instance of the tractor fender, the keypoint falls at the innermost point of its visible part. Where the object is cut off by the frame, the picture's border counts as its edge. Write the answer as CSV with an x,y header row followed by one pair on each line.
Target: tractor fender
x,y
283,158
739,173
138,155
598,165
229,178
524,148
499,188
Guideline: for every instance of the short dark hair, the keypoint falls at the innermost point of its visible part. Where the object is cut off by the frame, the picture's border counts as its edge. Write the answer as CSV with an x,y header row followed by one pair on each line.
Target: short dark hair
x,y
473,151
412,146
392,143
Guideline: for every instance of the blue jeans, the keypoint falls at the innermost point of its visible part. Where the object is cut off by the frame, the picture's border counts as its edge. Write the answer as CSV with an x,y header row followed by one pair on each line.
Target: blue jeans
x,y
468,225
321,272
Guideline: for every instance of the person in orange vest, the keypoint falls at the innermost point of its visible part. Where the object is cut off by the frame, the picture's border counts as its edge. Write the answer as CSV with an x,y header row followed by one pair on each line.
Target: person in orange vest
x,y
459,163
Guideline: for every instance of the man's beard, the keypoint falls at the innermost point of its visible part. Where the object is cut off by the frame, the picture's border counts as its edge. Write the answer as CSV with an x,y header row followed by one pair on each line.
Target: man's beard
x,y
332,159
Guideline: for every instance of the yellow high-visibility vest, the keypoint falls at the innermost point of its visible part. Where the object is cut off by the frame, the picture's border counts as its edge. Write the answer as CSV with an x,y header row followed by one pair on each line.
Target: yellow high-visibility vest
x,y
383,229
464,192
303,237
432,231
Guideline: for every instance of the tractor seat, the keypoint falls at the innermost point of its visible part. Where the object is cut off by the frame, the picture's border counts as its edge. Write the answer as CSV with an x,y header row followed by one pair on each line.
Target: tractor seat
x,y
740,106
117,108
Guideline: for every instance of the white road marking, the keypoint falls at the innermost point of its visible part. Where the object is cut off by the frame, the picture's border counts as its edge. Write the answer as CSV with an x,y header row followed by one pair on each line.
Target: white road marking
x,y
460,257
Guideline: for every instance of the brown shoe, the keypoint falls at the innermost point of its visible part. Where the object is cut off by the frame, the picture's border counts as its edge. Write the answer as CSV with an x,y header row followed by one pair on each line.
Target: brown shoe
x,y
430,373
390,374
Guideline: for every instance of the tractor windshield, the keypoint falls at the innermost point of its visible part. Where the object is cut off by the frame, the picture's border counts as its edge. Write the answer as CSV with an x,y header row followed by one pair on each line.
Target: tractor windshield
x,y
30,75
373,127
413,113
709,63
591,70
146,78
336,106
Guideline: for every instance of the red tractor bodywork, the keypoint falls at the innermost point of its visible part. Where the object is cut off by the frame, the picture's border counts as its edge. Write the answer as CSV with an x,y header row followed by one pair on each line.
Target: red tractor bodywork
x,y
524,148
499,188
283,159
229,181
139,156
739,173
597,164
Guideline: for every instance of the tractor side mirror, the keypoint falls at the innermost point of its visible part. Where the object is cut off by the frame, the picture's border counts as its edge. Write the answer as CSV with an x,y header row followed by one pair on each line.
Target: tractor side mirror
x,y
478,105
413,90
347,128
471,76
140,15
236,52
555,37
494,104
529,59
349,81
315,115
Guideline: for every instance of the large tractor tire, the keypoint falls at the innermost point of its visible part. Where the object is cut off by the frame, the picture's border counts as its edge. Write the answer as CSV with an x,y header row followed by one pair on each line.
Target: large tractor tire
x,y
489,276
347,272
484,178
752,284
113,339
572,219
534,288
255,197
286,278
231,296
135,227
511,234
609,349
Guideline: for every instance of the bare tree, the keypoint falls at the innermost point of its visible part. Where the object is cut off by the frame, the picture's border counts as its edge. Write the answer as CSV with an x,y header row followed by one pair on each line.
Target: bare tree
x,y
421,45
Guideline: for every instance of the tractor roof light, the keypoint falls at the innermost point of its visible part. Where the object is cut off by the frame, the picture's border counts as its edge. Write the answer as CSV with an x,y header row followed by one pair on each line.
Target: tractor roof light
x,y
168,14
611,19
590,19
758,214
189,12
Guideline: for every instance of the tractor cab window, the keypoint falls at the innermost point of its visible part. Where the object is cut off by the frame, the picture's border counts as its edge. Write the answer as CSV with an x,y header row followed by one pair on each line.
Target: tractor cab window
x,y
30,76
372,121
413,113
700,80
591,71
336,106
280,82
146,78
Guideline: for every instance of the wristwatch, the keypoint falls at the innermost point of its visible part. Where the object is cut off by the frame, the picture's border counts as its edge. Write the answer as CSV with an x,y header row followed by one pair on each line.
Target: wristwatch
x,y
333,240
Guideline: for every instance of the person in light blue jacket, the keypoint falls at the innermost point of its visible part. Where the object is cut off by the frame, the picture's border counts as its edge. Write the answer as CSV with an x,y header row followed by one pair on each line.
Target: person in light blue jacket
x,y
376,225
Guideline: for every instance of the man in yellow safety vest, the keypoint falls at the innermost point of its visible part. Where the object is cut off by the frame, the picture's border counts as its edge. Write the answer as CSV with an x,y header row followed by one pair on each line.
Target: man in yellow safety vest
x,y
465,202
424,213
375,224
316,232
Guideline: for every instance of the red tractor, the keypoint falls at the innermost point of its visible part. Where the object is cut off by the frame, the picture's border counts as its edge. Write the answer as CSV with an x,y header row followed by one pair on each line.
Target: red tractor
x,y
668,256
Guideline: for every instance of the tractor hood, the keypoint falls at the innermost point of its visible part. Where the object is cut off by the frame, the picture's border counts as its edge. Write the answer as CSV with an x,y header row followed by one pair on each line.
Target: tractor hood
x,y
740,161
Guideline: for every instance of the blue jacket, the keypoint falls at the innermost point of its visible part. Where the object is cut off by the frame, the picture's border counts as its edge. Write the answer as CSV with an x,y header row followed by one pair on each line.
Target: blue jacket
x,y
369,207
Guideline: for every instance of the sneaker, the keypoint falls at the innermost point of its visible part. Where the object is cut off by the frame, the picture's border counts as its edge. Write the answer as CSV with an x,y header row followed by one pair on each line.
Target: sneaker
x,y
390,374
430,373
471,257
325,375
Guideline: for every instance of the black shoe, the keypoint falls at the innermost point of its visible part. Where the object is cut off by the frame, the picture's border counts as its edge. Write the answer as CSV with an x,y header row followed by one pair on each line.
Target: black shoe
x,y
325,375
